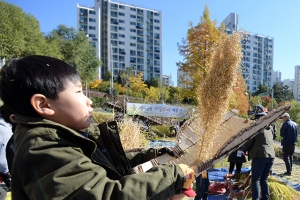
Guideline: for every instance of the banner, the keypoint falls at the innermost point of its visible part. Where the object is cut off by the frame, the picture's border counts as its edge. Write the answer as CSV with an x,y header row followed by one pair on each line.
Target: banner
x,y
156,110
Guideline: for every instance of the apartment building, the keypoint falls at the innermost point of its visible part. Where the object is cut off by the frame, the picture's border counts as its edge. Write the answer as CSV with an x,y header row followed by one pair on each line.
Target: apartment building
x,y
167,80
296,88
124,36
257,62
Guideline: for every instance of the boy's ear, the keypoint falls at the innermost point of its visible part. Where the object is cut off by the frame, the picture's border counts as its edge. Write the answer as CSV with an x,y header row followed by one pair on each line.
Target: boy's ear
x,y
40,104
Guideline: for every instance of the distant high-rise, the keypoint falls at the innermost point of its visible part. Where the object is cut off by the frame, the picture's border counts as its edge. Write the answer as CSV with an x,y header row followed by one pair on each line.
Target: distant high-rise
x,y
296,89
124,36
257,63
276,77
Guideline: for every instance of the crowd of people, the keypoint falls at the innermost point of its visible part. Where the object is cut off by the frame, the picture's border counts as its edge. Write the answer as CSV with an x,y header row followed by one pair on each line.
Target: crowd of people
x,y
55,144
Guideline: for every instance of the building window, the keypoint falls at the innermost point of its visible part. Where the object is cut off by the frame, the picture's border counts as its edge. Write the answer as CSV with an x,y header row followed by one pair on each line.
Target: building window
x,y
114,43
132,37
133,23
121,35
132,30
122,65
92,12
156,35
122,58
92,20
92,27
121,7
114,13
92,35
132,16
132,9
132,53
121,14
156,27
156,21
114,28
156,14
132,60
132,44
122,28
121,21
121,43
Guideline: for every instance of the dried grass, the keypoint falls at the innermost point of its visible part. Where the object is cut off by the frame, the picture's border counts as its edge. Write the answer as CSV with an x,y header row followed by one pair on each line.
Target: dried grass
x,y
214,93
130,134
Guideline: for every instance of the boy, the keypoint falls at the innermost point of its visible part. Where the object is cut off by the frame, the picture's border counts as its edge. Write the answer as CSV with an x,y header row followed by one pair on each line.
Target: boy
x,y
55,159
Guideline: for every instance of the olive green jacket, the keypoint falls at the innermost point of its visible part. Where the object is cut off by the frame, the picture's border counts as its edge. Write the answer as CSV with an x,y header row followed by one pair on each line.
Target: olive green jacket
x,y
54,162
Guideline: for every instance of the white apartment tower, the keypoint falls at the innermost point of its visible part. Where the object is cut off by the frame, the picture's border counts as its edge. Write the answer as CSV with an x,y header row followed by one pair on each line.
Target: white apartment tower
x,y
257,63
296,89
124,36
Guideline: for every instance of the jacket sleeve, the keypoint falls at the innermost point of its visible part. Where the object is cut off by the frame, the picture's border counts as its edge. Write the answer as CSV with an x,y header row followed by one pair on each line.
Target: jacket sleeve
x,y
136,158
282,130
55,168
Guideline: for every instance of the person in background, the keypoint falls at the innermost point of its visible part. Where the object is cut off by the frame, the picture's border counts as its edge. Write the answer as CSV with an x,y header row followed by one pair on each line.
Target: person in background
x,y
202,183
289,134
236,159
59,154
260,150
5,135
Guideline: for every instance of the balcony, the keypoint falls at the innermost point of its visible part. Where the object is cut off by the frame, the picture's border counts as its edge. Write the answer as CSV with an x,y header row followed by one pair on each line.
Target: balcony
x,y
115,22
140,27
123,52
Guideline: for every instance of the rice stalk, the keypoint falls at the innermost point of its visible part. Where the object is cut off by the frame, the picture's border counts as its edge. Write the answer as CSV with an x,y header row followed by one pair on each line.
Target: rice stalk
x,y
214,93
130,134
279,190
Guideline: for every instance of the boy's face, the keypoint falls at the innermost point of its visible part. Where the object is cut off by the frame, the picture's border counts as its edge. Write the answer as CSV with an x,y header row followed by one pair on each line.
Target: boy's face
x,y
72,108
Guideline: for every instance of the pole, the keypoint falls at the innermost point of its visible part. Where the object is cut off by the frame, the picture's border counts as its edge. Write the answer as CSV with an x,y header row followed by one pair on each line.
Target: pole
x,y
86,94
272,97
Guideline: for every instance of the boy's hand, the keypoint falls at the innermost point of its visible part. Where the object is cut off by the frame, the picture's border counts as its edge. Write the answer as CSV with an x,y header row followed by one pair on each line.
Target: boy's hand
x,y
166,150
189,178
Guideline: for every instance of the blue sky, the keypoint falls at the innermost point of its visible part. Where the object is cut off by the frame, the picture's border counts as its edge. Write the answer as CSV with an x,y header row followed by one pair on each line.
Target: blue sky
x,y
275,18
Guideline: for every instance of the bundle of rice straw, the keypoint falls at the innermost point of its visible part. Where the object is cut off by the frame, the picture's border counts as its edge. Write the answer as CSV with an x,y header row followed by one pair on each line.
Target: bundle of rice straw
x,y
280,190
214,93
130,134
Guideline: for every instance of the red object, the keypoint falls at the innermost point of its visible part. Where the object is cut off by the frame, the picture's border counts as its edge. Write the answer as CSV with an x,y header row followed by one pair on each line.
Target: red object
x,y
189,192
217,188
265,110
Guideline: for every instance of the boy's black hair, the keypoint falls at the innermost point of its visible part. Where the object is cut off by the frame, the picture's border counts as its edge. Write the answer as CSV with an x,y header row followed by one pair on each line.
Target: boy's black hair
x,y
24,77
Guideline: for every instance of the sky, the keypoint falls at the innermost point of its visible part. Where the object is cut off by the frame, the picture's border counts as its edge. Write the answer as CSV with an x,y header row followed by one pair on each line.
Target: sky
x,y
274,18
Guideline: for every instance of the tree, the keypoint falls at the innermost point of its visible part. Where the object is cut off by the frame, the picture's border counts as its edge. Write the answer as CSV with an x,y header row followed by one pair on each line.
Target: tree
x,y
262,88
175,95
107,76
152,94
94,84
196,51
287,93
154,82
20,34
295,111
278,92
76,50
137,87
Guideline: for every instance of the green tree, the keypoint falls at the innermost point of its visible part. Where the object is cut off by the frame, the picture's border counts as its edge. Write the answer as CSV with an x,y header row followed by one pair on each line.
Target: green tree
x,y
154,82
195,49
20,34
107,76
262,88
278,92
76,50
175,96
287,93
295,111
